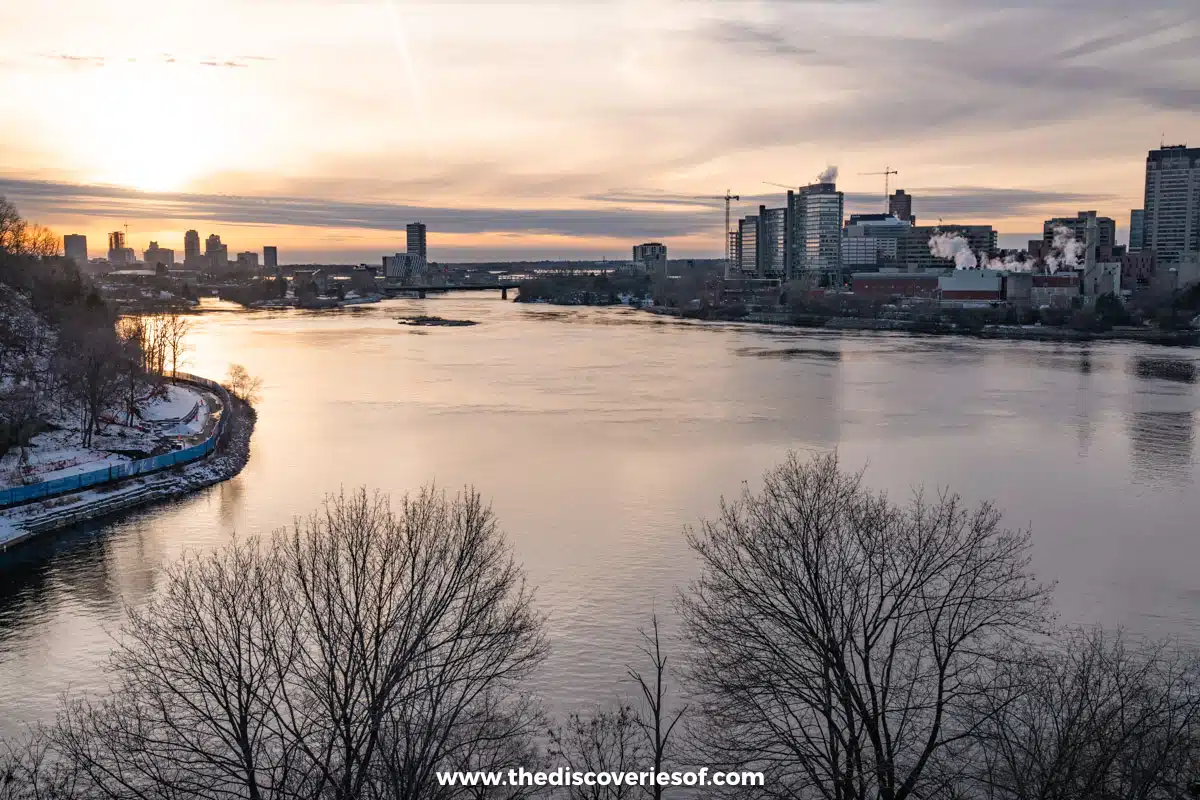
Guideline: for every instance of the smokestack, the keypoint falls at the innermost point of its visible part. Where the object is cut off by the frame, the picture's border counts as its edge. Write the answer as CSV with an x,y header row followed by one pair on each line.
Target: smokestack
x,y
1090,238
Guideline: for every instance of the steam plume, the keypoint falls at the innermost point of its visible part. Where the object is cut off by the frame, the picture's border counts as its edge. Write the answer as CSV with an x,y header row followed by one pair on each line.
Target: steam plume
x,y
943,245
829,175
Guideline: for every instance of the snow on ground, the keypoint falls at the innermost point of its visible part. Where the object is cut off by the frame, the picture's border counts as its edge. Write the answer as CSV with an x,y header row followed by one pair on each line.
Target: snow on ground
x,y
52,455
57,454
178,403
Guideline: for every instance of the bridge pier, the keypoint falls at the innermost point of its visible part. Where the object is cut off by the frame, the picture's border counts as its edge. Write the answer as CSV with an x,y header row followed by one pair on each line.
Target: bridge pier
x,y
421,295
504,293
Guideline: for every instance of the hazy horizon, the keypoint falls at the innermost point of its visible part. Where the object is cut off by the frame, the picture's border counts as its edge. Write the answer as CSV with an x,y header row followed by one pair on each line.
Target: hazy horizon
x,y
541,130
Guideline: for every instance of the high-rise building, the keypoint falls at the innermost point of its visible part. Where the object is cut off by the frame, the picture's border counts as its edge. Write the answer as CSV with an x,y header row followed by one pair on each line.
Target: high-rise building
x,y
118,254
900,206
816,242
216,254
270,257
158,255
652,256
247,261
75,248
191,250
773,241
1137,223
747,243
1106,229
1171,227
416,239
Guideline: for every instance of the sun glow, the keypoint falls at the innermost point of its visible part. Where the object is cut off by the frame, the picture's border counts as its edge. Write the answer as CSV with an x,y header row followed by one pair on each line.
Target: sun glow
x,y
156,129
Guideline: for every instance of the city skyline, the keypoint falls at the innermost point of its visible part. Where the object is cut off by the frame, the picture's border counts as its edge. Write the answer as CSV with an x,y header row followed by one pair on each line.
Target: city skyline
x,y
329,134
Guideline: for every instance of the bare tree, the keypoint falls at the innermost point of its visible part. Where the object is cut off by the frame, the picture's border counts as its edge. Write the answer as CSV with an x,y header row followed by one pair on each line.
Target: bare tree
x,y
176,328
657,722
12,229
88,362
608,740
243,385
39,241
838,635
1092,715
349,658
29,770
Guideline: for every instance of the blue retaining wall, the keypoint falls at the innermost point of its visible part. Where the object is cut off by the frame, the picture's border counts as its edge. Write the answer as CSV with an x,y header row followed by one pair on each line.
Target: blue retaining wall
x,y
37,491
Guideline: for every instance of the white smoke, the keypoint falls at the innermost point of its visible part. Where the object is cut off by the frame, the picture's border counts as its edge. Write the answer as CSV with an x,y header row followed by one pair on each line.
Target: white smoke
x,y
829,175
943,245
1010,263
1065,253
1065,250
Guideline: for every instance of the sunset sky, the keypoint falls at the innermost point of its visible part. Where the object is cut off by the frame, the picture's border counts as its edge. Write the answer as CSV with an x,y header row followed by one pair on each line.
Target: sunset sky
x,y
574,129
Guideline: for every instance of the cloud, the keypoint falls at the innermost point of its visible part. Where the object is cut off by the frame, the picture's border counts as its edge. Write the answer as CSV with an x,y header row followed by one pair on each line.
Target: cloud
x,y
629,214
761,39
41,198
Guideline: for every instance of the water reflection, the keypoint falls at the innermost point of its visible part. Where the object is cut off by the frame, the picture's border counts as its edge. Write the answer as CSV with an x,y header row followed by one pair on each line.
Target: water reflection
x,y
600,433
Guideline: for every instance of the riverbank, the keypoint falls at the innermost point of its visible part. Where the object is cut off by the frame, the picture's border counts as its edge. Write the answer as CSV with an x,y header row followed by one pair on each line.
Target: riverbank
x,y
232,452
1043,333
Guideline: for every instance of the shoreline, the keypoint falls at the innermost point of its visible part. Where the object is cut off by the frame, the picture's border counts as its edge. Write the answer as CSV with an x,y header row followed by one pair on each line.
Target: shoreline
x,y
1178,338
64,511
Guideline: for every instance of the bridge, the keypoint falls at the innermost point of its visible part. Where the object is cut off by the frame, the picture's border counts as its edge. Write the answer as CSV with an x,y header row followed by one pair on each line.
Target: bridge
x,y
422,289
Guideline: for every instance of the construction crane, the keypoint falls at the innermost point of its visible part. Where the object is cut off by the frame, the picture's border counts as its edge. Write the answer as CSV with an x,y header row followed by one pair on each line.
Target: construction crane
x,y
780,185
727,197
887,173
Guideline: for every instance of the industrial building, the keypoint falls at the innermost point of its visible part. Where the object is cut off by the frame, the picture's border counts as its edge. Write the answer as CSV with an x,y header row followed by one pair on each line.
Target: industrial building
x,y
1106,229
887,285
971,286
913,246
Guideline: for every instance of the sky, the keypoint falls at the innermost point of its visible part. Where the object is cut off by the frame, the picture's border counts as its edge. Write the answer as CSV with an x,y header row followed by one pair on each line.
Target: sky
x,y
555,129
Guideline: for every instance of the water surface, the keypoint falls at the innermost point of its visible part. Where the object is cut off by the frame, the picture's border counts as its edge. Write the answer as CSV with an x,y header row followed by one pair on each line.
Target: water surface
x,y
599,434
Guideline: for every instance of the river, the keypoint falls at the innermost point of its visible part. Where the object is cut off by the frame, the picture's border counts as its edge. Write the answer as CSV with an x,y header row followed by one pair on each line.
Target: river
x,y
599,434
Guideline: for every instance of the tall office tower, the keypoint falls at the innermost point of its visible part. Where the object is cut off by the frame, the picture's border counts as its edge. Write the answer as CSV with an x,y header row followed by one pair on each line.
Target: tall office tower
x,y
1171,227
191,250
75,248
270,257
817,234
773,241
416,239
1137,225
747,240
900,206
